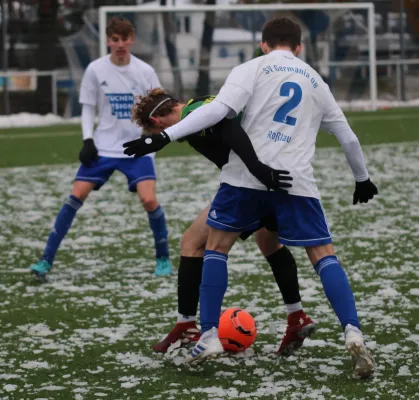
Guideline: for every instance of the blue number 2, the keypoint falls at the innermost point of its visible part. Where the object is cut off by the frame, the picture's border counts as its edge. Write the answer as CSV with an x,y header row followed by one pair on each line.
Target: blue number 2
x,y
282,113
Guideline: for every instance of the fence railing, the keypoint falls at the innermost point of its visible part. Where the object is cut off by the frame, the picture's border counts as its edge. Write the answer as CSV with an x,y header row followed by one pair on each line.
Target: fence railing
x,y
32,74
55,75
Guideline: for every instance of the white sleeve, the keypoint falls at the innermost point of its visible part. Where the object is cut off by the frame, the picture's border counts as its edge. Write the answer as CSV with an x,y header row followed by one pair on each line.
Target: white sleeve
x,y
89,88
238,88
88,114
202,118
334,121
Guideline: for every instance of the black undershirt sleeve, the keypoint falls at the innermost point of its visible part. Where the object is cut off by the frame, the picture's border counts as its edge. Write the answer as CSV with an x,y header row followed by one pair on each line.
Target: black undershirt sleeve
x,y
237,139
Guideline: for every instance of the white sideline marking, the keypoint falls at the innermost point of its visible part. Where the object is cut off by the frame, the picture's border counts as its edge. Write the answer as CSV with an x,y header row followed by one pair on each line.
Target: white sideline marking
x,y
11,136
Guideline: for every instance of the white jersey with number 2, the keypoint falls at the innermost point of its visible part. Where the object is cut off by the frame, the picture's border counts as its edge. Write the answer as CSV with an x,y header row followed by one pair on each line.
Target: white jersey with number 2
x,y
284,102
112,89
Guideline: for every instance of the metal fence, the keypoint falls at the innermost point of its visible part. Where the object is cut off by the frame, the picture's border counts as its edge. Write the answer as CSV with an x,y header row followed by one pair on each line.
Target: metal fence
x,y
341,55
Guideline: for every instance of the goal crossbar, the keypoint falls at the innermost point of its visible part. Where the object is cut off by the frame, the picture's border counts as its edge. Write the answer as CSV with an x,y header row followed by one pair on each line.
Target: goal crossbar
x,y
145,8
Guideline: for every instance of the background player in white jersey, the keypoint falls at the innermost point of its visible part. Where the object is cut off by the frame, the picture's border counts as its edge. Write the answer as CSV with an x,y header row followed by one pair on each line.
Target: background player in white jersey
x,y
109,85
285,102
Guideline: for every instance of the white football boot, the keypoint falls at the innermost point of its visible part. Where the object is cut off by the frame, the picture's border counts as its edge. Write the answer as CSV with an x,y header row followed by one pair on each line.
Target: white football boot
x,y
208,346
363,361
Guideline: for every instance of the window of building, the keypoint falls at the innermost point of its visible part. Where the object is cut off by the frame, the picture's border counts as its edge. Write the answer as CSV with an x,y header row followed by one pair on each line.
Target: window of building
x,y
192,57
223,52
187,24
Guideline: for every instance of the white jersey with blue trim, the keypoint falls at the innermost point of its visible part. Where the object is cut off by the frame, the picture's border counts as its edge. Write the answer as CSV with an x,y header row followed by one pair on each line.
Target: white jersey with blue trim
x,y
112,89
284,102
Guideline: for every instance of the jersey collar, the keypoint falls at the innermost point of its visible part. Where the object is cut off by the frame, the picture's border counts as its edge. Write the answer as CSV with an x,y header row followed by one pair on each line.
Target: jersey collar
x,y
286,52
121,68
184,111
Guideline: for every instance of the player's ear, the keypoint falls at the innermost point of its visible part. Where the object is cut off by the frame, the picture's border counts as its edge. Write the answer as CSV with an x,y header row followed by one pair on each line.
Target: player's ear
x,y
154,120
264,47
157,123
131,39
299,49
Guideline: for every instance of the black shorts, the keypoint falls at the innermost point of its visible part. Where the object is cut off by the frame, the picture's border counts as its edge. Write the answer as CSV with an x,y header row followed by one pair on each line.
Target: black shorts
x,y
268,222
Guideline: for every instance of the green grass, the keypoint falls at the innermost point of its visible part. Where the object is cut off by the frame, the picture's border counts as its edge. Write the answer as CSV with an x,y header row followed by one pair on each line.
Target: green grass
x,y
88,333
60,144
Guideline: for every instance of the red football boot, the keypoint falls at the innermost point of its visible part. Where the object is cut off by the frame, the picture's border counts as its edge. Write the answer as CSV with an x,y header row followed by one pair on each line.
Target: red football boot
x,y
186,332
299,327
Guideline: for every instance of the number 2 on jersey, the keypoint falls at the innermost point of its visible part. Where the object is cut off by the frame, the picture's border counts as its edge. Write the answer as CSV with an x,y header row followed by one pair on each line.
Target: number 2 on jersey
x,y
282,113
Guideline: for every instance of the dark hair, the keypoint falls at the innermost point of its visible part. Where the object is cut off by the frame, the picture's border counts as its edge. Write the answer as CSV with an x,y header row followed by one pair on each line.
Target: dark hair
x,y
281,32
144,105
119,26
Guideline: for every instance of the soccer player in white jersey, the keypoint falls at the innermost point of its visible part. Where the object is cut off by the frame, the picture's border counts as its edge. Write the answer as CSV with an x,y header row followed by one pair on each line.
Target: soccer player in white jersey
x,y
285,103
110,84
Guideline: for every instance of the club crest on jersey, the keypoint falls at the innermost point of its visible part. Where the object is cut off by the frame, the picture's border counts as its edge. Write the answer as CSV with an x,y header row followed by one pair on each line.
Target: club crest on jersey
x,y
278,137
121,104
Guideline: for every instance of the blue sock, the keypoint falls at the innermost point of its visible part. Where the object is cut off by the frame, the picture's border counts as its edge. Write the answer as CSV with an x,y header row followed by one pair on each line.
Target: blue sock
x,y
337,290
212,289
158,226
62,225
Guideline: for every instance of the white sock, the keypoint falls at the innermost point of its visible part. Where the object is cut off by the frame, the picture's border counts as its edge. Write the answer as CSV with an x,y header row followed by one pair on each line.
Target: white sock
x,y
185,318
293,307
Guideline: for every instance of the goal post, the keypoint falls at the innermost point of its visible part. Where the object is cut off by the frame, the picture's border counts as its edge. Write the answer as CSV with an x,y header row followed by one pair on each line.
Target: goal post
x,y
149,9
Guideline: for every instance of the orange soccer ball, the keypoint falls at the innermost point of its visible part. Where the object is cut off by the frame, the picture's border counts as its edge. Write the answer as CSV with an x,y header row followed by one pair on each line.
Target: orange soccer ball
x,y
237,329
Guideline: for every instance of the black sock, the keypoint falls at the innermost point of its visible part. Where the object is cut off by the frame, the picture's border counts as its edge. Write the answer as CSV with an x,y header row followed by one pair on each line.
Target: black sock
x,y
284,269
189,281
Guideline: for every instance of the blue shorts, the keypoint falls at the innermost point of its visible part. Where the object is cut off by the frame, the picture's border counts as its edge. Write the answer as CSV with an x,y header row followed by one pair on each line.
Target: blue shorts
x,y
135,169
301,220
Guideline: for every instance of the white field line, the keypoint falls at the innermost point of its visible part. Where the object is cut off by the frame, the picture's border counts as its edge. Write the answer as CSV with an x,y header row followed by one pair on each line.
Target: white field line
x,y
357,118
11,136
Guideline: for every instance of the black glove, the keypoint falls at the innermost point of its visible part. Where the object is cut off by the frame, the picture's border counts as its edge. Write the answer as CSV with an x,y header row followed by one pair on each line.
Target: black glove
x,y
273,179
88,153
364,191
146,144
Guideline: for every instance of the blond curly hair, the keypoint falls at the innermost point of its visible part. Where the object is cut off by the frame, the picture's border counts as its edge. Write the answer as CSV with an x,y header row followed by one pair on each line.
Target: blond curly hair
x,y
144,105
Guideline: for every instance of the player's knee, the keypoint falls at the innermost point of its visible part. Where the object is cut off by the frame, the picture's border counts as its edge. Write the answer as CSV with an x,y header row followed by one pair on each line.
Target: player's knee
x,y
267,241
316,253
79,195
189,246
81,190
149,202
221,241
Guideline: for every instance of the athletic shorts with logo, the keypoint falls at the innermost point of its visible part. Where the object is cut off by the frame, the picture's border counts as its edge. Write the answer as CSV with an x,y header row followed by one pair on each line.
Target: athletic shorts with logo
x,y
300,220
134,169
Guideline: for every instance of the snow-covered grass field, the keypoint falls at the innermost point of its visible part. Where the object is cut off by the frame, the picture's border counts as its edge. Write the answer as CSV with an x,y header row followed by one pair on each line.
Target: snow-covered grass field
x,y
88,333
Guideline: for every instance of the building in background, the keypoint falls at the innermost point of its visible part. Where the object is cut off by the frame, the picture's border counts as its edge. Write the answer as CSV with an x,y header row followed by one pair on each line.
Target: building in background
x,y
72,43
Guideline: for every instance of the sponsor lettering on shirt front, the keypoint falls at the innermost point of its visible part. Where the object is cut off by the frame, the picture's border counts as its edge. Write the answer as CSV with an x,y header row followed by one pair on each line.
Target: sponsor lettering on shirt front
x,y
121,104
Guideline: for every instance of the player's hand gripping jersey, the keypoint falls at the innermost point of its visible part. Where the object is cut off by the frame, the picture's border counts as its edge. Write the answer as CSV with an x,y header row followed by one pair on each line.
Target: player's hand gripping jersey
x,y
112,89
285,102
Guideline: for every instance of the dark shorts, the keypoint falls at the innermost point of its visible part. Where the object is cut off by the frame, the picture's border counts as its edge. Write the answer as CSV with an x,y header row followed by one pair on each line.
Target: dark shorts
x,y
135,170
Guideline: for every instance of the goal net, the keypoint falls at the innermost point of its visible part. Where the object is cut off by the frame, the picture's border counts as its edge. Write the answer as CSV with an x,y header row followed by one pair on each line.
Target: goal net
x,y
194,47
